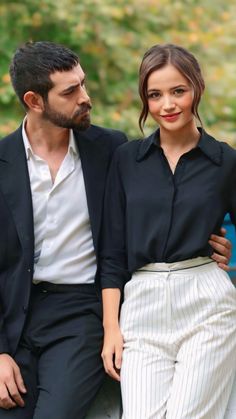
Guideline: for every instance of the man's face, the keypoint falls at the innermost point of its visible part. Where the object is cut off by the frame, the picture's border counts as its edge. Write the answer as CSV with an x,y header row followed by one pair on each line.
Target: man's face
x,y
68,104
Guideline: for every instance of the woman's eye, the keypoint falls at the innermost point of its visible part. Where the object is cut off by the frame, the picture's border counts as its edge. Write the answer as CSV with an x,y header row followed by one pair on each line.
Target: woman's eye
x,y
153,95
179,92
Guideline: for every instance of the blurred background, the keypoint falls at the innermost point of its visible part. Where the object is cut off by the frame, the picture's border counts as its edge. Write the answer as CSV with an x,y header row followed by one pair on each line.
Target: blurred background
x,y
111,36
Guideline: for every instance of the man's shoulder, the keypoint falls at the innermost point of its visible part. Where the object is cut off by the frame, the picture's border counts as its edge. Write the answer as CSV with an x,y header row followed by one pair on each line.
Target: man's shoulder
x,y
9,140
11,135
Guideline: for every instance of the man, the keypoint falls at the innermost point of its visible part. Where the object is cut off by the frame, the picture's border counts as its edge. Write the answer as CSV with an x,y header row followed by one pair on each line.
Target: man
x,y
52,178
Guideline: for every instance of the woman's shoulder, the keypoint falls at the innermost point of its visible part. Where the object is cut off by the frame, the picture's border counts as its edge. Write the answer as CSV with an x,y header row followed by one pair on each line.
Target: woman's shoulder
x,y
130,145
228,152
228,148
133,148
129,150
223,144
220,148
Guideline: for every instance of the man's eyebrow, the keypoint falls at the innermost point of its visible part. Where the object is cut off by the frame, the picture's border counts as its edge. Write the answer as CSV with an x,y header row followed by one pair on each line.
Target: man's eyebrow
x,y
73,86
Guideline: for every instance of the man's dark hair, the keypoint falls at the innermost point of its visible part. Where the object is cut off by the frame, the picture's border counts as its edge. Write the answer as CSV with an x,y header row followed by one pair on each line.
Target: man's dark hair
x,y
34,62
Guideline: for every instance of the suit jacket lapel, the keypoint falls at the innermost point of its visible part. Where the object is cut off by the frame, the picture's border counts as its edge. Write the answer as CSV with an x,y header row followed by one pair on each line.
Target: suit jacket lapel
x,y
94,156
15,186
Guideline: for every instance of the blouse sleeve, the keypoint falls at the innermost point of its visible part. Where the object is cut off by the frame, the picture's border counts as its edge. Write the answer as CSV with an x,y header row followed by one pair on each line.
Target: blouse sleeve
x,y
232,210
113,257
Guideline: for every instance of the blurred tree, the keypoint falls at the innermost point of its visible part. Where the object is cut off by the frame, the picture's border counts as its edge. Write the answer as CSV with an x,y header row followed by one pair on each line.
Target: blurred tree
x,y
111,37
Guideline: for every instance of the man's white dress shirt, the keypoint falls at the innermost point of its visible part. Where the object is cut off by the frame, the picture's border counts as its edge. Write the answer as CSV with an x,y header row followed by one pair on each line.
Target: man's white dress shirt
x,y
64,250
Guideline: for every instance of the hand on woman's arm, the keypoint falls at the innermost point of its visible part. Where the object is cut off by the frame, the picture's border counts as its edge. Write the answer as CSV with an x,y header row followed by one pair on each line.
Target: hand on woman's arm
x,y
113,341
223,249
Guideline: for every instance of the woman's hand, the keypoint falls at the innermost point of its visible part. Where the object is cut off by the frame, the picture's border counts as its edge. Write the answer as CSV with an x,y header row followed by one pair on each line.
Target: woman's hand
x,y
112,351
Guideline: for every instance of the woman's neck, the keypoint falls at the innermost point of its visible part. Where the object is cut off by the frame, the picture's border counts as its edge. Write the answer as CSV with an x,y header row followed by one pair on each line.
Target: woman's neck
x,y
175,144
182,140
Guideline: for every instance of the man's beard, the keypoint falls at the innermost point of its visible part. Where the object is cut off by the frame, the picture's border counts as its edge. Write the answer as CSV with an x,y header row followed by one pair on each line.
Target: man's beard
x,y
78,121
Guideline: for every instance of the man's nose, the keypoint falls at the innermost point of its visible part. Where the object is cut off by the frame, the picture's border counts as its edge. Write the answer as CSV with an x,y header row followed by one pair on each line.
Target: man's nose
x,y
83,96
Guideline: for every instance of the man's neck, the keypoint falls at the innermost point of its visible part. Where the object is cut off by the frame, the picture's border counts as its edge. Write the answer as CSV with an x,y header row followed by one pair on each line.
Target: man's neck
x,y
45,136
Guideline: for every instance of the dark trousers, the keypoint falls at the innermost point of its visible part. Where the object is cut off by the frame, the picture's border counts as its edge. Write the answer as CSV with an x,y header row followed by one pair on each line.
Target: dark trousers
x,y
60,354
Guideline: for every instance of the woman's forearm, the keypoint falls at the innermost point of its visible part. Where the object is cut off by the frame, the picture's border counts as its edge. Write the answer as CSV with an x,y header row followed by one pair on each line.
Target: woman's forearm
x,y
113,341
111,303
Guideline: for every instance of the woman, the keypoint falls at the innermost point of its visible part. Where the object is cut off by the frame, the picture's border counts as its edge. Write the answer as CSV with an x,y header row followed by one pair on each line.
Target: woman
x,y
165,196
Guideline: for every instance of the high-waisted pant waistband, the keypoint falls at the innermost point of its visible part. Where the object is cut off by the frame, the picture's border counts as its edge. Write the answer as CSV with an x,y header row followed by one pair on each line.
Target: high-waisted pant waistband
x,y
176,266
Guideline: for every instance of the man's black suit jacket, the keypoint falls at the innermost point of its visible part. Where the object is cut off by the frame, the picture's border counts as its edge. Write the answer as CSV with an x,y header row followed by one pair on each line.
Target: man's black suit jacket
x,y
96,146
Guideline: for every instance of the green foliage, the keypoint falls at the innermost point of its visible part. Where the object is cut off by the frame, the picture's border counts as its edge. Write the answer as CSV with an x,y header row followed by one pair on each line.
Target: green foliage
x,y
111,37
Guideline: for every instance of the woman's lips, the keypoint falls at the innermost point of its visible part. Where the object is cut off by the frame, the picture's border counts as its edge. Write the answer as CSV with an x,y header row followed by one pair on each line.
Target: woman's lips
x,y
171,117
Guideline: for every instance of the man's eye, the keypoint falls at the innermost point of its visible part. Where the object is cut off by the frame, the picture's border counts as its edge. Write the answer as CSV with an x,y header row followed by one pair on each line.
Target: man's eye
x,y
69,92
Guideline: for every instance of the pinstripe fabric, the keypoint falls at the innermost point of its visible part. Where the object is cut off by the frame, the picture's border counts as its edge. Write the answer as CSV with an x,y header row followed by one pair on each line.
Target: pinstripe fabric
x,y
231,408
179,329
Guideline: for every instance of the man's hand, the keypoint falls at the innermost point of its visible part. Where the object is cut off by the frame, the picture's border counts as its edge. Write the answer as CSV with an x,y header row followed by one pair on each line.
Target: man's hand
x,y
11,383
223,249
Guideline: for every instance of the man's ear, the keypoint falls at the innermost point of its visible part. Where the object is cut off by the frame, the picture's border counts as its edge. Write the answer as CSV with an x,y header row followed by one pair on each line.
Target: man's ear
x,y
34,101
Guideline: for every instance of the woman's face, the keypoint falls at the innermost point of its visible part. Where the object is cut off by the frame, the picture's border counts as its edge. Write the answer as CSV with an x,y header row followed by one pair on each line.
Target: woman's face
x,y
170,99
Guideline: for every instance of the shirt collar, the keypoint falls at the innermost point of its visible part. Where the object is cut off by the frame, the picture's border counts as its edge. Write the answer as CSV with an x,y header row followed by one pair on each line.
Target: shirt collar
x,y
72,149
210,147
207,144
146,145
28,149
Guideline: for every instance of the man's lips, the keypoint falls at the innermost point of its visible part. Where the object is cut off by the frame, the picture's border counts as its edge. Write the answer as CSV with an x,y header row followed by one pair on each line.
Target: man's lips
x,y
84,110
